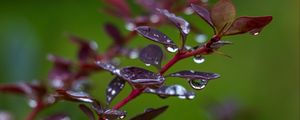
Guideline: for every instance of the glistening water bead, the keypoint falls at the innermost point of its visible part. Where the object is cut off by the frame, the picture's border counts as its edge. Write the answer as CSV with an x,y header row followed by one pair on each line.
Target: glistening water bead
x,y
198,84
172,49
198,59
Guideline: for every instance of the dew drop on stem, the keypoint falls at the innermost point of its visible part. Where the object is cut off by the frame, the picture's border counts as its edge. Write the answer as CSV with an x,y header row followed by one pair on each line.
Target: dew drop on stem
x,y
130,26
198,84
198,59
32,103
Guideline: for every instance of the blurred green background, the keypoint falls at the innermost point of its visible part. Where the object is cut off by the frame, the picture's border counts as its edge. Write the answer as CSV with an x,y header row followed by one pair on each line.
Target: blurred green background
x,y
263,75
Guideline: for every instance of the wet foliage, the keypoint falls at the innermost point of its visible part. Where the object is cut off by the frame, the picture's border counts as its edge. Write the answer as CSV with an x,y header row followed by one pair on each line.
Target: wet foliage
x,y
69,80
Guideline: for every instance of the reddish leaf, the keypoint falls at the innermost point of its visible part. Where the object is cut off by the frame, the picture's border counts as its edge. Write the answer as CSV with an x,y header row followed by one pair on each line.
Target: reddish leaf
x,y
87,111
74,96
179,22
87,50
150,5
195,75
114,88
203,13
114,33
60,72
120,7
174,90
141,77
156,36
109,67
222,15
248,24
152,54
150,114
30,90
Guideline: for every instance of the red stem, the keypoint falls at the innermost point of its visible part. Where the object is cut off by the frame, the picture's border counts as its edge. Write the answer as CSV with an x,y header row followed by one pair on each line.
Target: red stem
x,y
35,111
134,93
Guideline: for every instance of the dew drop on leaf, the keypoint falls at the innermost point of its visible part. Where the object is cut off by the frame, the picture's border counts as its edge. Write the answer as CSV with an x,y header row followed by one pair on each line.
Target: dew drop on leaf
x,y
198,84
256,33
148,64
198,59
172,49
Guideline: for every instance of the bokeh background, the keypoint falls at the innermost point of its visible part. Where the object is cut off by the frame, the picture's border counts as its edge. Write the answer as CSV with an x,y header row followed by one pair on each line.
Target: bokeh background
x,y
262,78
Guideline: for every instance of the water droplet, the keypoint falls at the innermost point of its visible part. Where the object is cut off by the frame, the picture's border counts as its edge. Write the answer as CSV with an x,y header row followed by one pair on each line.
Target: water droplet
x,y
188,11
133,54
256,33
198,84
32,103
185,27
66,118
148,64
121,117
154,18
94,45
181,97
191,96
172,49
57,83
200,38
198,59
130,26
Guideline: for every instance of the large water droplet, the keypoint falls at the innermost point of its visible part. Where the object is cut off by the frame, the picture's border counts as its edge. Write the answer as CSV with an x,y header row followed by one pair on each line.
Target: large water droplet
x,y
182,97
154,18
200,38
133,54
172,49
32,103
188,11
198,84
130,26
198,59
148,64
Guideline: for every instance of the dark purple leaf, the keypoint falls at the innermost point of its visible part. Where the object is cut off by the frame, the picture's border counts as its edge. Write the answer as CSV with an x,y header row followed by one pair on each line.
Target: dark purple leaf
x,y
222,15
179,22
174,90
156,36
111,114
152,54
59,116
253,25
87,111
218,44
140,77
203,13
150,114
109,67
60,72
114,33
74,96
114,88
87,49
195,75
